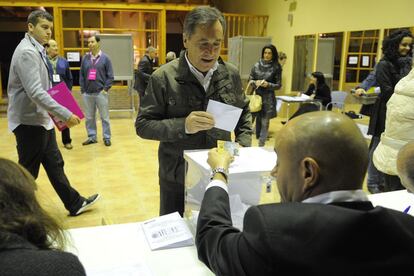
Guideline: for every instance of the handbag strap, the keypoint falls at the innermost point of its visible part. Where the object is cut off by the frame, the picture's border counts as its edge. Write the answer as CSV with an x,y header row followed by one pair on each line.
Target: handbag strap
x,y
254,90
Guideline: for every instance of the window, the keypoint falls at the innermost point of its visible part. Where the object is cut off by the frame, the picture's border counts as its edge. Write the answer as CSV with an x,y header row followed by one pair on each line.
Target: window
x,y
80,24
362,51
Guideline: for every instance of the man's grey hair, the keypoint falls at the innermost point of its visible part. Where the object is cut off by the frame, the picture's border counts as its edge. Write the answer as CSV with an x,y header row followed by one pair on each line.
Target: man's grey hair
x,y
170,56
34,16
203,15
150,49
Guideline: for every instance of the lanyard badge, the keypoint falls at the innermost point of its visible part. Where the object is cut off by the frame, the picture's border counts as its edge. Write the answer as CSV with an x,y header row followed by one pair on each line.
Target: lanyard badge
x,y
92,74
92,71
56,78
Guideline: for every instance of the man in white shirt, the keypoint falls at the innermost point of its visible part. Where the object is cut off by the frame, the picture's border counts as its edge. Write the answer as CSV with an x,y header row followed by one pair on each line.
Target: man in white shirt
x,y
29,104
325,224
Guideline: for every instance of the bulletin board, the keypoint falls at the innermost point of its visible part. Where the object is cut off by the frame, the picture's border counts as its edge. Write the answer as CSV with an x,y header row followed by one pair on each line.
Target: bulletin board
x,y
120,49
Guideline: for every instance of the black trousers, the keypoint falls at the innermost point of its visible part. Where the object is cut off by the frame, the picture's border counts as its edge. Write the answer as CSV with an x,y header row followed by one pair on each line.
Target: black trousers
x,y
392,183
35,146
171,198
66,136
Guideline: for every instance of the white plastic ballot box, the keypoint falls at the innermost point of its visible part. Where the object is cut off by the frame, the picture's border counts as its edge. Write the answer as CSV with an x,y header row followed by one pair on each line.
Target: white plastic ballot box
x,y
249,171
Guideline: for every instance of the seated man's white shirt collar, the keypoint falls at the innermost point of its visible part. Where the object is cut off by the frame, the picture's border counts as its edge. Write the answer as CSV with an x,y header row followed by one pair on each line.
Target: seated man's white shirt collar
x,y
204,80
217,183
338,196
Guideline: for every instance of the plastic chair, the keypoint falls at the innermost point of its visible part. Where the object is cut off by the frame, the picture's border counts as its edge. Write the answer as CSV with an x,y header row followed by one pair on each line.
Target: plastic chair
x,y
338,100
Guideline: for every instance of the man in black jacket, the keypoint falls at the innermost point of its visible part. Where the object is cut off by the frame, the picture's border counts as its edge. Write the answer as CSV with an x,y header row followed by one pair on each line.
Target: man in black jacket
x,y
173,109
145,69
325,224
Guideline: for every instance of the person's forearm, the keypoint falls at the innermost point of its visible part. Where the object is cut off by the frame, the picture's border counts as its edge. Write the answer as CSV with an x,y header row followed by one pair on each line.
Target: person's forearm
x,y
167,130
243,130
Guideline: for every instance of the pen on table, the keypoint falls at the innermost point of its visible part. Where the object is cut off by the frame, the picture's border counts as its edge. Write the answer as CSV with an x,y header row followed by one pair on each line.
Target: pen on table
x,y
407,209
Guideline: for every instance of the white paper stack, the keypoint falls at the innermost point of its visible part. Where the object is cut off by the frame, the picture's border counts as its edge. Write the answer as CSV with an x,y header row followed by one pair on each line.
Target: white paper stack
x,y
168,231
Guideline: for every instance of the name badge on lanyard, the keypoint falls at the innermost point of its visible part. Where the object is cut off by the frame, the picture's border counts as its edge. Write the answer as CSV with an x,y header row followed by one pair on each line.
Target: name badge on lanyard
x,y
56,78
92,74
92,71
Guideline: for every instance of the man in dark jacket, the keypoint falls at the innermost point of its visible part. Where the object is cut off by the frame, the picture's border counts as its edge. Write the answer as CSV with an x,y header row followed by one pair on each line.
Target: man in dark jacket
x,y
60,72
173,108
145,69
324,215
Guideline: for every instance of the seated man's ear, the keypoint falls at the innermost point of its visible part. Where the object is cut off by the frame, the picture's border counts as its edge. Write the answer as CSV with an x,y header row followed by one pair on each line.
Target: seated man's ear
x,y
310,172
185,40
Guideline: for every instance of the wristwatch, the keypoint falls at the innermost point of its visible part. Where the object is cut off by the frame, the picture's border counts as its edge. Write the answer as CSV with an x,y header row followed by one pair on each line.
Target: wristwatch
x,y
223,171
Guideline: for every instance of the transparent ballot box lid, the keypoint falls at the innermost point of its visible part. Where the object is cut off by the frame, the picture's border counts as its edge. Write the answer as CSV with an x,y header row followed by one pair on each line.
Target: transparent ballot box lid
x,y
368,98
248,173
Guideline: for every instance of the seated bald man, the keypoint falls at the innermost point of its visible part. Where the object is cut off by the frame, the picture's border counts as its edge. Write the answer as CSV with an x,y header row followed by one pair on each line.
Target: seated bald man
x,y
405,166
325,224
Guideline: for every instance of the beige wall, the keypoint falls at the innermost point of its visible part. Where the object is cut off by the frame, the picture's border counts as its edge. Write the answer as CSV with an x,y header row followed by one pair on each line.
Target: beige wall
x,y
320,16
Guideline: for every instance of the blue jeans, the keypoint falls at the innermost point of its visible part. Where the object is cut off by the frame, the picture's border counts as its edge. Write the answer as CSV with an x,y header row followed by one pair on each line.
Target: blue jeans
x,y
375,180
100,101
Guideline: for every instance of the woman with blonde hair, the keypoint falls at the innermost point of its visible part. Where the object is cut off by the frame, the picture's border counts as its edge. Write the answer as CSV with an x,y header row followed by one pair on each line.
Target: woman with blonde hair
x,y
31,241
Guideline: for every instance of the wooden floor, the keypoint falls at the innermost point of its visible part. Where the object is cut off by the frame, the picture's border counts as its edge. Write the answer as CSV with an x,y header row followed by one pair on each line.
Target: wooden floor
x,y
125,174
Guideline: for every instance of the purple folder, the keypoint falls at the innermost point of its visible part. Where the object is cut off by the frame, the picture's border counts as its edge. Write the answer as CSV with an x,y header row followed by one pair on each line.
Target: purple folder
x,y
62,95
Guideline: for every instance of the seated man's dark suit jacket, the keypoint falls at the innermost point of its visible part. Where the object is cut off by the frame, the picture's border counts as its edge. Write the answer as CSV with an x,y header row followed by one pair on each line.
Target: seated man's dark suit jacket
x,y
345,238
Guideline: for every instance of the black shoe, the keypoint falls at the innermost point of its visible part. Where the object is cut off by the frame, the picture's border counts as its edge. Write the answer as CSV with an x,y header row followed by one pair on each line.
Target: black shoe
x,y
89,141
107,142
86,205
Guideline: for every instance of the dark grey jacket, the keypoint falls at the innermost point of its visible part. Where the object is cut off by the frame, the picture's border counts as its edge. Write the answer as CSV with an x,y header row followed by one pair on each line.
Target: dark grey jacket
x,y
144,72
19,257
172,94
104,74
272,73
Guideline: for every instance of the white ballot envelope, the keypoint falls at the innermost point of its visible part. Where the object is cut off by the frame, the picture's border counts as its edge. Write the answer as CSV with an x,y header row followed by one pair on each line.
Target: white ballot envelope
x,y
225,116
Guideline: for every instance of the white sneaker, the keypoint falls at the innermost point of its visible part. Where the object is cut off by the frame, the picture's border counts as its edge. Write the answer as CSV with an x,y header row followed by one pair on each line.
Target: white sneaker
x,y
86,204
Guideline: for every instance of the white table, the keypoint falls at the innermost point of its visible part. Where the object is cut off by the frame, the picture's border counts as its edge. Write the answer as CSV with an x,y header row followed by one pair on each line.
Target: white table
x,y
122,249
397,200
298,100
364,130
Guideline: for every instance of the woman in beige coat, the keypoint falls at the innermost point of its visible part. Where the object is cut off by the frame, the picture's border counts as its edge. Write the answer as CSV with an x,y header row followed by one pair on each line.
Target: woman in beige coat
x,y
399,130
